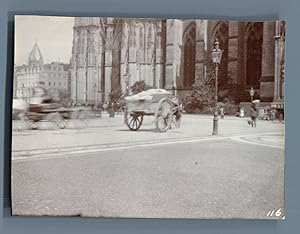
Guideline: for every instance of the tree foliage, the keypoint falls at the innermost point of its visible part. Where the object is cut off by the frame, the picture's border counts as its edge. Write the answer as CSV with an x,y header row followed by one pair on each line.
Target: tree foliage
x,y
201,99
116,100
230,94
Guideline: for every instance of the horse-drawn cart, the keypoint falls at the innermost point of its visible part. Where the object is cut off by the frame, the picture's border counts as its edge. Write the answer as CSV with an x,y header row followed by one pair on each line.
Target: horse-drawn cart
x,y
43,109
157,102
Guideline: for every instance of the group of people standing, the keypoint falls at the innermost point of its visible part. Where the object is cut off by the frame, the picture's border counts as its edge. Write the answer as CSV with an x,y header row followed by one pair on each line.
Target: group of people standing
x,y
253,114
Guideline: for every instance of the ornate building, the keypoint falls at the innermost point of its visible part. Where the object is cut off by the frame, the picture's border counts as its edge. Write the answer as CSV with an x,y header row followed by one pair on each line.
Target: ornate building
x,y
37,74
111,53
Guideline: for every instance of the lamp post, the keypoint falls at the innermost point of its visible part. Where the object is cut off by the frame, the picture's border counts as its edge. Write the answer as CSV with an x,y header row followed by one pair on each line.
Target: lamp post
x,y
216,56
251,92
282,59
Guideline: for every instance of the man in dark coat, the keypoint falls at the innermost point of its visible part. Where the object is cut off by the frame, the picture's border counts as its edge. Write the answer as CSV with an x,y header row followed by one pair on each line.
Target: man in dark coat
x,y
253,116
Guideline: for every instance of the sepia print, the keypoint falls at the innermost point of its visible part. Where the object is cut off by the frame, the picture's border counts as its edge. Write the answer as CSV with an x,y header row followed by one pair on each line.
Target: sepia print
x,y
148,118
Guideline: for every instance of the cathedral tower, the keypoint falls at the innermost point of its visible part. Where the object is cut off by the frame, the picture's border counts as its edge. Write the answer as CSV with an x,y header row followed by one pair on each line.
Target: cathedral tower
x,y
85,61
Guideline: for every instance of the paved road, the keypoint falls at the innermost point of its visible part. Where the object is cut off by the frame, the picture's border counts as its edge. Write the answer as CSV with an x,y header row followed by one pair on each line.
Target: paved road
x,y
107,131
230,176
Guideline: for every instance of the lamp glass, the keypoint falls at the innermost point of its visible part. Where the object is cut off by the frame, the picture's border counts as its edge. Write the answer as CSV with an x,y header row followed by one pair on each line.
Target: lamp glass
x,y
216,55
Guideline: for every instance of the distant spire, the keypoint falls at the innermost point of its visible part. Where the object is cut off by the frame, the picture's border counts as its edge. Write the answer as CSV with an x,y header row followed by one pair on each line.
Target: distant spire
x,y
35,57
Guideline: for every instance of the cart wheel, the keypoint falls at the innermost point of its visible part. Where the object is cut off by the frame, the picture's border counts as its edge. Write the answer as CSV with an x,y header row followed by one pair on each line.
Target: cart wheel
x,y
164,115
163,123
62,124
134,121
57,119
85,114
33,124
26,123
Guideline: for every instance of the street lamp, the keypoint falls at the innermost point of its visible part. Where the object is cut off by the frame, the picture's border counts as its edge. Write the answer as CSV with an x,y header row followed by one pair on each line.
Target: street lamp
x,y
216,57
251,92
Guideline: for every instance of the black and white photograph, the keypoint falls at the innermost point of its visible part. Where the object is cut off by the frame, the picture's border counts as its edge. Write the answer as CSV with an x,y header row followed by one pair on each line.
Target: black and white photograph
x,y
148,118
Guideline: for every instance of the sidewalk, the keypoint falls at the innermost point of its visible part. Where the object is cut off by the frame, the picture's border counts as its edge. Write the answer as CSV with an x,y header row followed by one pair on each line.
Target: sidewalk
x,y
105,130
106,122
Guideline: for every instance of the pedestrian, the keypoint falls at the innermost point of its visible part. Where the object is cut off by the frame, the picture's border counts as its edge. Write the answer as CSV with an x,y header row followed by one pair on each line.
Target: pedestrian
x,y
242,112
222,112
280,118
253,116
112,110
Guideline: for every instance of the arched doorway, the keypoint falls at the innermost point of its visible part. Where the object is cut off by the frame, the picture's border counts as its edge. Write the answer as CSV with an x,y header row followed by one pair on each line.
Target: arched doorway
x,y
189,48
253,55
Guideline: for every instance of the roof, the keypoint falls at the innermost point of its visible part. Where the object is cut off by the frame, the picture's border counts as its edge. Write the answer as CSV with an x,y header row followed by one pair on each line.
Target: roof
x,y
35,56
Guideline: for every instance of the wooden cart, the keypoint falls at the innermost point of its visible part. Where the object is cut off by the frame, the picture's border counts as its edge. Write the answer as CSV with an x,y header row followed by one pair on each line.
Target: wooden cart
x,y
33,114
48,113
163,106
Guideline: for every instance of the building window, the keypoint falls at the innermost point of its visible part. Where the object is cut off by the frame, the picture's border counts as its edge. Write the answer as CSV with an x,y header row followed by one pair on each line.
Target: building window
x,y
189,55
253,60
49,83
222,33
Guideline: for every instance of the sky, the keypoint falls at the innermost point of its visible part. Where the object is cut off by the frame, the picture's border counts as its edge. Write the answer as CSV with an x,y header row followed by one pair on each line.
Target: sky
x,y
54,36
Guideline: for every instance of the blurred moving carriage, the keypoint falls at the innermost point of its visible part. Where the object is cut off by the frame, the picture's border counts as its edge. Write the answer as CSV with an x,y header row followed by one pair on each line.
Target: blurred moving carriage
x,y
42,108
157,102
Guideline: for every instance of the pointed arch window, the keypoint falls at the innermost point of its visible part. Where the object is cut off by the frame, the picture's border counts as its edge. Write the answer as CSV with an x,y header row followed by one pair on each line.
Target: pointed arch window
x,y
254,40
221,32
189,56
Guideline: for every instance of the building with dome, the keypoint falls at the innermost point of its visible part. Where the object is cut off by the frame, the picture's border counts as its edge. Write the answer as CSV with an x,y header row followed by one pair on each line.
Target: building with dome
x,y
110,54
35,73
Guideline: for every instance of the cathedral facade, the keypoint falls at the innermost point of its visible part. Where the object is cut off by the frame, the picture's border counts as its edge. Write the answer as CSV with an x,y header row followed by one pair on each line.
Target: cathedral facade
x,y
110,54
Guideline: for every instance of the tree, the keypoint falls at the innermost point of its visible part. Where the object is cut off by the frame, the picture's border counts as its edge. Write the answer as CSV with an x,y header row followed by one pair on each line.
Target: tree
x,y
201,100
116,100
109,42
230,93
